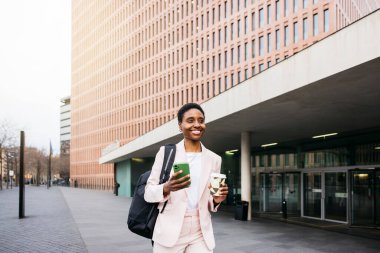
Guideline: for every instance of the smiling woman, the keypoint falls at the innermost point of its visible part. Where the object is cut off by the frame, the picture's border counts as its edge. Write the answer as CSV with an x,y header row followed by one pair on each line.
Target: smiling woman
x,y
185,225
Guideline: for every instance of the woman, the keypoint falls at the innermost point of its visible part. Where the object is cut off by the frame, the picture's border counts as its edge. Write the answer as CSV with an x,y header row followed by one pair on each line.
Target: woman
x,y
185,225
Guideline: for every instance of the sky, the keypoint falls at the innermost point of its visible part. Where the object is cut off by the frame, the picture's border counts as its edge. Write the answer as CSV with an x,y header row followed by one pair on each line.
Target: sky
x,y
35,67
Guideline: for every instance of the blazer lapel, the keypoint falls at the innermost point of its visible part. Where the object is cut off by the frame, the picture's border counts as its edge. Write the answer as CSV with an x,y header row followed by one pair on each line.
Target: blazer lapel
x,y
181,157
205,174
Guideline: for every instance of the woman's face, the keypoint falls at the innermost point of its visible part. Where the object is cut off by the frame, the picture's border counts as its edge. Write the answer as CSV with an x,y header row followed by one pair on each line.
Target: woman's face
x,y
193,124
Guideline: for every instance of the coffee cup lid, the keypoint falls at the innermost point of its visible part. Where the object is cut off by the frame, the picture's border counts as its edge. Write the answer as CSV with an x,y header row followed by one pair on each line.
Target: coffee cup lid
x,y
218,175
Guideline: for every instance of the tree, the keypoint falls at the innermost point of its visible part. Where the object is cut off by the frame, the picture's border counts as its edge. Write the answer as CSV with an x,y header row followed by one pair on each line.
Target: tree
x,y
7,141
35,164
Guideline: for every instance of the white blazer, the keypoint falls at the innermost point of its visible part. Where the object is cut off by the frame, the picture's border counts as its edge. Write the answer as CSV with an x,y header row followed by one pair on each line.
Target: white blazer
x,y
169,223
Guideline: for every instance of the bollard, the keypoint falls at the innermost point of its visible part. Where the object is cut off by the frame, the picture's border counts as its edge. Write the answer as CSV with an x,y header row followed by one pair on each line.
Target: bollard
x,y
284,210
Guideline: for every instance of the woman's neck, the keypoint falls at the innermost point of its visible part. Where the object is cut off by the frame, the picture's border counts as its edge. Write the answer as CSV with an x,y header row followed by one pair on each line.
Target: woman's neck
x,y
192,146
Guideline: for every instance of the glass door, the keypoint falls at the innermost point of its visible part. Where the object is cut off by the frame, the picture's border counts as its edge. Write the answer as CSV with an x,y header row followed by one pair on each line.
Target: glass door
x,y
292,193
312,194
336,196
363,197
271,192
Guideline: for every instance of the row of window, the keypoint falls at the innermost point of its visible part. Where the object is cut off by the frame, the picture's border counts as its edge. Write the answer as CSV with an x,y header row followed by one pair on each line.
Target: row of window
x,y
180,34
363,154
227,58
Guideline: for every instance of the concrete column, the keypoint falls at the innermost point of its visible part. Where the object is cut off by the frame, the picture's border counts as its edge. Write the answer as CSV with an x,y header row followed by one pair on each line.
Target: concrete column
x,y
246,170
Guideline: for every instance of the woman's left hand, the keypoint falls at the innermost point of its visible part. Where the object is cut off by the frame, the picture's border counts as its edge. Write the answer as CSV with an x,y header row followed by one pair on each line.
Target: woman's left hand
x,y
223,194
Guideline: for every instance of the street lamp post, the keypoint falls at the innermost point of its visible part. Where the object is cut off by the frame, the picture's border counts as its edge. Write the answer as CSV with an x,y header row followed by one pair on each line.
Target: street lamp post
x,y
7,170
11,174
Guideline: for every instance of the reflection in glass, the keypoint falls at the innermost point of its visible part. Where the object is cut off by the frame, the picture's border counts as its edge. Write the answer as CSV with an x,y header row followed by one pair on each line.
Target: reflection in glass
x,y
362,198
271,192
336,196
292,192
312,194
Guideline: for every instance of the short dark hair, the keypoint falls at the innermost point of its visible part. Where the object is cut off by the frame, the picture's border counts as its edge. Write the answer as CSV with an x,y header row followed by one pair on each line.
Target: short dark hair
x,y
187,107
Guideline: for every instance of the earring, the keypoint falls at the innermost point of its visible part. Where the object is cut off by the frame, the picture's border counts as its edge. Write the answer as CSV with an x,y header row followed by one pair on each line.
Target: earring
x,y
180,130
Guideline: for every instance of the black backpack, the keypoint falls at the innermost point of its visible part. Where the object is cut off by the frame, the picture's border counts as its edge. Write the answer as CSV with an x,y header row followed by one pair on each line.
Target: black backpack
x,y
143,215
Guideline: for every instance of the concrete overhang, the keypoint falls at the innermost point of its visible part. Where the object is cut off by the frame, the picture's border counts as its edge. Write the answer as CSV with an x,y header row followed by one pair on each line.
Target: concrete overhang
x,y
332,86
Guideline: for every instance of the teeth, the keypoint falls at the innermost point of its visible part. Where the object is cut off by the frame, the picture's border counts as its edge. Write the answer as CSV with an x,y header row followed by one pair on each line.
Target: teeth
x,y
197,132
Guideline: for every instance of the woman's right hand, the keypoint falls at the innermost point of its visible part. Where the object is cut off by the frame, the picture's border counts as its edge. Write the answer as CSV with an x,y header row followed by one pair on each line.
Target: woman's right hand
x,y
174,184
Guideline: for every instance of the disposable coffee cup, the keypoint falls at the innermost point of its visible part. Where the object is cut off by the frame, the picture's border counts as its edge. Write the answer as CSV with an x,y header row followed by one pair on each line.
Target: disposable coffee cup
x,y
217,180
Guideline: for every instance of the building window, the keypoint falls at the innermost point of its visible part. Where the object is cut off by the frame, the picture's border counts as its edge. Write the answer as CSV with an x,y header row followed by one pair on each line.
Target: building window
x,y
225,34
232,56
225,9
238,27
315,24
253,71
261,67
315,1
232,31
220,36
219,11
232,79
277,10
269,42
245,51
286,7
253,49
213,16
225,59
245,74
245,25
277,39
225,82
286,36
261,45
261,17
220,60
239,76
305,2
238,52
304,28
295,5
326,18
295,32
253,21
269,14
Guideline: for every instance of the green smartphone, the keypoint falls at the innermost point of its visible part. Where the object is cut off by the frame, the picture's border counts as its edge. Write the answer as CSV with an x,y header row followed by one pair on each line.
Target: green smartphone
x,y
181,166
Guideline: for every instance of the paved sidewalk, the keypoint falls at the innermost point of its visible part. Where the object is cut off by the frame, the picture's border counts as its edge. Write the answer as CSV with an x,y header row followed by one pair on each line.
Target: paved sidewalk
x,y
79,220
47,227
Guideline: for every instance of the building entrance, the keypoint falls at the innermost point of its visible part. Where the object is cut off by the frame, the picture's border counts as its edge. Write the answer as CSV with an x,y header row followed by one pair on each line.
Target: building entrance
x,y
365,197
325,195
275,187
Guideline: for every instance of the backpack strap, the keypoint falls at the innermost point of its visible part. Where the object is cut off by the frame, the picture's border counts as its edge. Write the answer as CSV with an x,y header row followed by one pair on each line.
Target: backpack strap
x,y
170,150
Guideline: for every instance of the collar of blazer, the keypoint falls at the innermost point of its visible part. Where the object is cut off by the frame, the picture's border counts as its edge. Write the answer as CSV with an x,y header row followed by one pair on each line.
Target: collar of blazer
x,y
206,165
